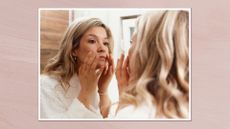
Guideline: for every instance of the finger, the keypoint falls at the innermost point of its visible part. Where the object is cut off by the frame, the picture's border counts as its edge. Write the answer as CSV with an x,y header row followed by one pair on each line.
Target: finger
x,y
118,69
111,70
120,62
82,68
122,58
99,72
121,65
94,64
110,59
81,71
106,66
106,69
85,65
87,56
126,64
124,72
112,62
91,59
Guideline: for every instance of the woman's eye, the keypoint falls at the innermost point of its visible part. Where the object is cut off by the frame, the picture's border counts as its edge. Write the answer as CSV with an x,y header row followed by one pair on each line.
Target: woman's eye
x,y
106,43
91,41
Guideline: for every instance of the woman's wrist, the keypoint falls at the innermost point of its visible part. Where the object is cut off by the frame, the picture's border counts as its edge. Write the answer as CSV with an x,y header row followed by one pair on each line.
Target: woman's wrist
x,y
104,104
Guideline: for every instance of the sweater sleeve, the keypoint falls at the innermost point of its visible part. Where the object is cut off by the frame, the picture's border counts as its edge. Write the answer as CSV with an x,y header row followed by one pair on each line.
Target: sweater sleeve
x,y
52,107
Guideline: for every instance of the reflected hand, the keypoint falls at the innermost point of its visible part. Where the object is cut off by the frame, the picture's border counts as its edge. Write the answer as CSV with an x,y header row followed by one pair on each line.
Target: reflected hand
x,y
122,73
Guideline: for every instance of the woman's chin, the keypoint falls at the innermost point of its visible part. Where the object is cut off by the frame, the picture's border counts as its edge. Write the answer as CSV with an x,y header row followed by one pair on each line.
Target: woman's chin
x,y
101,64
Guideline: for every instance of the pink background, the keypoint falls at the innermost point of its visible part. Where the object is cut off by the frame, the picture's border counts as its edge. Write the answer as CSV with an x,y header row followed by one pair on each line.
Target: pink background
x,y
19,64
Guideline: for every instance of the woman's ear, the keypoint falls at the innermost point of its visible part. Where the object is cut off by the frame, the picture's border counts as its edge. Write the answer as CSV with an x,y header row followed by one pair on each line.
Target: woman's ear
x,y
75,52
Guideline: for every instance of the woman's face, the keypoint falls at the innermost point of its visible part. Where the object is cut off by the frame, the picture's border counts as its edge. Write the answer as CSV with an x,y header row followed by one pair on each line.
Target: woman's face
x,y
96,41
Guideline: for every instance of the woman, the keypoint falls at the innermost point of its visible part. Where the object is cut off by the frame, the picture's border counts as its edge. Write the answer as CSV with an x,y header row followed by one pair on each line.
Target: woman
x,y
153,81
82,66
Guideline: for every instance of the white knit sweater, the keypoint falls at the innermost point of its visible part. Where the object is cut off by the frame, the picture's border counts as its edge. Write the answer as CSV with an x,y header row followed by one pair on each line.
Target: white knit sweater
x,y
56,104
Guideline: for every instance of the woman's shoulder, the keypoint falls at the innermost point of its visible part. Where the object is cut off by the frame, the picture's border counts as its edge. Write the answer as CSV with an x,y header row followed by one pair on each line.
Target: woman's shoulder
x,y
48,81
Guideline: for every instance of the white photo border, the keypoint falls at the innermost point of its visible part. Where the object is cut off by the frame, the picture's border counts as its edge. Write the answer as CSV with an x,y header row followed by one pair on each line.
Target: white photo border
x,y
189,119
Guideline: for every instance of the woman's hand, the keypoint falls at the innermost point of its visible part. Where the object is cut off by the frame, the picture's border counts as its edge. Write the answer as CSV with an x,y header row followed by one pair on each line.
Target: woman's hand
x,y
103,84
88,77
106,76
122,73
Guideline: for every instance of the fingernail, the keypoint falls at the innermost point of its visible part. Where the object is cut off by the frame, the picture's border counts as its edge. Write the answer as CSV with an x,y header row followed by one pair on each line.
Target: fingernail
x,y
122,54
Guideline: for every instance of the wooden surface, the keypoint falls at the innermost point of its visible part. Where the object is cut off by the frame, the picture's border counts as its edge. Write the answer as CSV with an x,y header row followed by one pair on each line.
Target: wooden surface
x,y
53,24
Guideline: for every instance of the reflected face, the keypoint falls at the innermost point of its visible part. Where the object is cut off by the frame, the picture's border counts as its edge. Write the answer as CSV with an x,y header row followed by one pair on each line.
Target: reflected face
x,y
96,41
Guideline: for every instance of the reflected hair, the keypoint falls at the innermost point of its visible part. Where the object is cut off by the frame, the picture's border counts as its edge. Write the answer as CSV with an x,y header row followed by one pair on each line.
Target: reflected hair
x,y
63,65
161,68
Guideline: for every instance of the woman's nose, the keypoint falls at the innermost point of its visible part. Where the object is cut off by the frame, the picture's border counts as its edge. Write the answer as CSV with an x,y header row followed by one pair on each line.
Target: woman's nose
x,y
101,47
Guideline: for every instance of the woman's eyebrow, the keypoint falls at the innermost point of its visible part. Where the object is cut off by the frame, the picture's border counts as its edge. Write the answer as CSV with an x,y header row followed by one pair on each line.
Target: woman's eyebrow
x,y
95,36
92,35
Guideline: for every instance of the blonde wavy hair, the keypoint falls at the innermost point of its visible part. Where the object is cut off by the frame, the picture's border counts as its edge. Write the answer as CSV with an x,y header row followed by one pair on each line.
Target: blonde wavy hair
x,y
161,57
63,65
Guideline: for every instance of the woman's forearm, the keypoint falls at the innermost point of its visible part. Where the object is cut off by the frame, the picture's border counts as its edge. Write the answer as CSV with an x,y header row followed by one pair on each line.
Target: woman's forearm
x,y
104,105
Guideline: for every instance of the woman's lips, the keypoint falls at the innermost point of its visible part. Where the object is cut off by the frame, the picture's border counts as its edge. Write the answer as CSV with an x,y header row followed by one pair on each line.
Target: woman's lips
x,y
102,58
